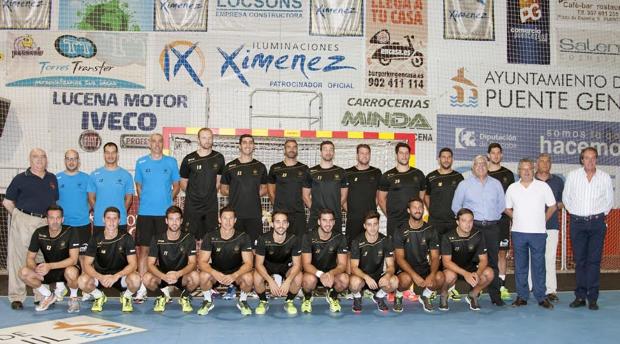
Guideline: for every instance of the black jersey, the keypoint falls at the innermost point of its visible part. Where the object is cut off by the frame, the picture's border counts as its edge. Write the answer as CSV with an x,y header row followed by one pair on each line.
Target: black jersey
x,y
324,252
54,249
417,243
504,175
172,255
325,185
110,254
245,180
401,186
226,254
362,193
371,255
278,253
289,181
440,188
201,173
465,251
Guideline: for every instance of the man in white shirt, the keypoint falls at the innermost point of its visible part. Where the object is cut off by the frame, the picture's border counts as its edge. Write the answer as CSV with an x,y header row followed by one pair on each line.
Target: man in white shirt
x,y
588,196
525,203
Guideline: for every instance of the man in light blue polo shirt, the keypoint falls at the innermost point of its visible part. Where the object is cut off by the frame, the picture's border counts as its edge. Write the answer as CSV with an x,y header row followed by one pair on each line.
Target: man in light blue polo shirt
x,y
157,183
485,197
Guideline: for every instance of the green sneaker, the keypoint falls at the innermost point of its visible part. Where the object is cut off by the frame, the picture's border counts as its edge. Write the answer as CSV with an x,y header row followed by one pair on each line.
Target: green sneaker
x,y
160,304
455,295
98,304
306,305
186,304
398,304
205,307
262,307
289,307
127,304
505,294
244,308
433,296
334,304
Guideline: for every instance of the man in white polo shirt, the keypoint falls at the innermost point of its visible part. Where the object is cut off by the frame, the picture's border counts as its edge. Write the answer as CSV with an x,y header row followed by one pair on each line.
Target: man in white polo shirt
x,y
525,203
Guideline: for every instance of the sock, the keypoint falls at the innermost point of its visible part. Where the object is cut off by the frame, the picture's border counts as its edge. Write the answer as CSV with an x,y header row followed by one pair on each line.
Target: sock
x,y
142,290
399,293
73,292
452,288
243,296
60,288
357,295
185,293
333,293
206,294
290,296
166,291
307,295
96,293
44,291
427,292
380,294
262,296
160,292
127,293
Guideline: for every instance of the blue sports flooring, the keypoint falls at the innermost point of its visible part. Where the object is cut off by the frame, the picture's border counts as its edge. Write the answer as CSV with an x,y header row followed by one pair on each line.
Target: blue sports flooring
x,y
224,324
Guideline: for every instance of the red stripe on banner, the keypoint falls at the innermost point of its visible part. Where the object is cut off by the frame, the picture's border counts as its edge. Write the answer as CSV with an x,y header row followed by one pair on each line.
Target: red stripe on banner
x,y
167,131
239,132
275,132
371,135
340,134
410,138
308,134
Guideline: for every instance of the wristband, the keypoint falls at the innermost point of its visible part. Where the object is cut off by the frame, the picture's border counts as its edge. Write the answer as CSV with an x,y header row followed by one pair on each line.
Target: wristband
x,y
318,273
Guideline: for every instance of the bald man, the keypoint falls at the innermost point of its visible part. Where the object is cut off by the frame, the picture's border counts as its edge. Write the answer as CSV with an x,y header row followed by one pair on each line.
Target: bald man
x,y
157,184
27,199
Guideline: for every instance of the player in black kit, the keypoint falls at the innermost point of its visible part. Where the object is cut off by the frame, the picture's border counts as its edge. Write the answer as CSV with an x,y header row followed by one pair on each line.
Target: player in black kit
x,y
397,187
286,180
172,262
60,247
110,261
464,256
324,258
440,187
372,264
363,181
200,173
416,248
226,258
278,256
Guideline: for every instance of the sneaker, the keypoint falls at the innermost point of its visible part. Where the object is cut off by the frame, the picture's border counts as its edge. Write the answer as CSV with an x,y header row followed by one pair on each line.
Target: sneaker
x,y
473,302
60,294
74,305
553,297
380,302
426,303
98,304
289,307
231,293
357,305
505,294
186,304
262,307
398,304
411,295
455,295
433,296
244,308
306,306
334,304
443,303
45,303
87,297
160,304
140,297
126,305
347,296
368,294
205,307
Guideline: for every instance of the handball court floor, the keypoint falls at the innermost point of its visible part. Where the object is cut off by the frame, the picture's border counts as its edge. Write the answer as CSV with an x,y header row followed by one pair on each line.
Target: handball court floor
x,y
224,324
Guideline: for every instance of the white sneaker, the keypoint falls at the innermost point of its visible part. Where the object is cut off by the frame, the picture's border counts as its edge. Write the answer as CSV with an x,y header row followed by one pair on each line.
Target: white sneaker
x,y
86,297
46,303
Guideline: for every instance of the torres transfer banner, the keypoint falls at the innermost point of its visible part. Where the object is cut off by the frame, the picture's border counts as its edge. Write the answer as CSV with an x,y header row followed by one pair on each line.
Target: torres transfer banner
x,y
34,14
106,15
528,32
396,47
336,17
469,20
57,59
181,15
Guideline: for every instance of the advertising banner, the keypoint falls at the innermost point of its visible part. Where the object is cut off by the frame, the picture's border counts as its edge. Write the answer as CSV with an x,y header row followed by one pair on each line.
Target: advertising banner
x,y
587,48
588,11
337,17
469,20
106,15
528,32
34,15
259,16
180,61
181,15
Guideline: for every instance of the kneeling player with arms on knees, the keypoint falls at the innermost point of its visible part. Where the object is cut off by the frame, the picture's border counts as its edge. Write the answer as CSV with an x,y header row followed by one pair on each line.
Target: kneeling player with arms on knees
x,y
463,254
226,258
324,258
172,262
278,255
371,251
111,262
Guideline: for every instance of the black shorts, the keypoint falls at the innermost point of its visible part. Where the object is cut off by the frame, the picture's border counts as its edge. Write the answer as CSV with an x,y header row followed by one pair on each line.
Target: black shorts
x,y
504,233
276,269
442,227
84,234
118,285
147,227
179,284
375,276
252,227
423,270
199,223
470,268
100,229
53,276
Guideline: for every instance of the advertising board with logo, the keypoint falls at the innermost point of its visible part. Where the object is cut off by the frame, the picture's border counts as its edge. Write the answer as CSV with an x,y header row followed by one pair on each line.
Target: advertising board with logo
x,y
180,61
469,20
32,14
55,59
396,47
106,15
588,11
259,15
528,32
181,15
587,48
337,17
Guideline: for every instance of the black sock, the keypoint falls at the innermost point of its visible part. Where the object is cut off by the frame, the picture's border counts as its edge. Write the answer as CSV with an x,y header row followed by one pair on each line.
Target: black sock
x,y
290,296
185,292
262,296
502,283
333,293
159,292
307,295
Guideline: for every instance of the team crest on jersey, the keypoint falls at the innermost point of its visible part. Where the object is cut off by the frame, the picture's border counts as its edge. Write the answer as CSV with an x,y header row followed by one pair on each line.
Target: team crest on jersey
x,y
271,252
457,249
331,249
299,173
423,241
254,172
63,244
454,182
380,253
218,249
102,251
120,249
236,249
48,247
215,166
336,176
182,249
470,248
317,251
440,184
